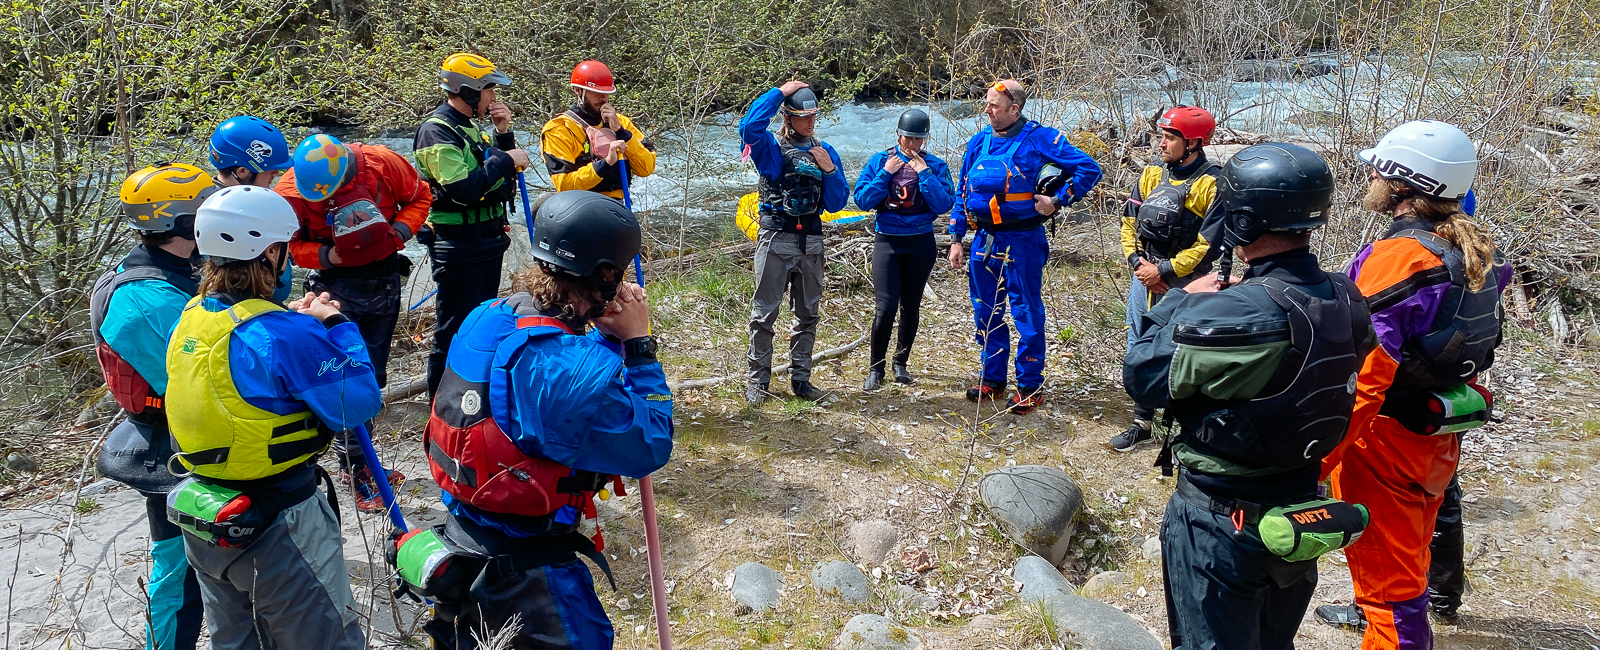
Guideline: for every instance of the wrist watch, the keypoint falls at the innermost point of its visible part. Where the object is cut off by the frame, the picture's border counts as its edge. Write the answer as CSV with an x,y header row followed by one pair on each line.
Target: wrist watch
x,y
640,346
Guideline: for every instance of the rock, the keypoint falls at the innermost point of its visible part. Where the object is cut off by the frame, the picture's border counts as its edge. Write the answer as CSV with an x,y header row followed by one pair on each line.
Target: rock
x,y
17,461
1034,506
872,540
874,632
1104,583
1152,548
1040,579
842,579
756,586
910,598
1097,626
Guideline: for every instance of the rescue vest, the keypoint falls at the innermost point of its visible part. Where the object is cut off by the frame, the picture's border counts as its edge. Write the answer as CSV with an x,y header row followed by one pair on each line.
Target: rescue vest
x,y
792,202
1466,330
471,458
492,204
130,389
218,434
994,180
905,196
1306,410
1165,223
595,146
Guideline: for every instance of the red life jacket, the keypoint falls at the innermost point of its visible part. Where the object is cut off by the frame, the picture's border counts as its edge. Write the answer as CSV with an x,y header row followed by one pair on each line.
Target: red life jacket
x,y
129,388
478,464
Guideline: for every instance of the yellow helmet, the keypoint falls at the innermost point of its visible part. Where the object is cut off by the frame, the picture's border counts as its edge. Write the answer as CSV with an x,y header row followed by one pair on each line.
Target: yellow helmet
x,y
471,71
155,197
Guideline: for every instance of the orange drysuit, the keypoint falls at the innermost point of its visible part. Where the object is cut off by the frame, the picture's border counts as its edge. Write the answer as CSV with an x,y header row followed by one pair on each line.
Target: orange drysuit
x,y
1400,476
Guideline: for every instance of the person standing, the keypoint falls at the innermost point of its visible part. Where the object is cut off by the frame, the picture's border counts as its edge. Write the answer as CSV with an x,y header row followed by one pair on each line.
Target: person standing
x,y
254,393
132,309
1161,236
909,188
999,172
1260,377
358,205
587,146
472,181
800,178
1435,281
568,366
248,150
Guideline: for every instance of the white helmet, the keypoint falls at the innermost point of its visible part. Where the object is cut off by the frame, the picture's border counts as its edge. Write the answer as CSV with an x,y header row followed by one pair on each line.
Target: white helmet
x,y
240,222
1434,157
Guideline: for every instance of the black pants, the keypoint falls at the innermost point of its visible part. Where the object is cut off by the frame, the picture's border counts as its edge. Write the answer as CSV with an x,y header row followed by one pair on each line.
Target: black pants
x,y
1447,575
900,268
373,304
1224,589
466,264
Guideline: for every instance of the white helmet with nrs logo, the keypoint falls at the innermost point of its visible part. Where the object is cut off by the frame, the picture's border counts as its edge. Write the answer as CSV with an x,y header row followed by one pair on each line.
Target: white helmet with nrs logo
x,y
1433,157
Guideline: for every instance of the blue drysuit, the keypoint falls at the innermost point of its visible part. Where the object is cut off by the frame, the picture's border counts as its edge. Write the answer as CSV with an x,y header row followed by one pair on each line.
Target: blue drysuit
x,y
1010,249
572,399
933,184
765,153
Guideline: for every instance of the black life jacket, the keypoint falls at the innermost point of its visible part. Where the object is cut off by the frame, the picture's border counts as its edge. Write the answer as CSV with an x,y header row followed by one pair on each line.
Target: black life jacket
x,y
792,202
471,458
905,196
492,204
130,389
1466,330
1165,223
1306,408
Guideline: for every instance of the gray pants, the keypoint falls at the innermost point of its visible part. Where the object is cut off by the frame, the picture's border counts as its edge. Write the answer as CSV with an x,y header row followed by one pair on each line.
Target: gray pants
x,y
780,266
288,589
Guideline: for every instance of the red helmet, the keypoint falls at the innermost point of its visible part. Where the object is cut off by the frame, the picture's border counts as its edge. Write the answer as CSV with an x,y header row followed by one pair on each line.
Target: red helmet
x,y
595,76
1190,122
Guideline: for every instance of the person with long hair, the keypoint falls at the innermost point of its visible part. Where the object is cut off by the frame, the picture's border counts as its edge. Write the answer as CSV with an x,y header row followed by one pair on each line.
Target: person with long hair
x,y
548,397
1433,283
255,391
801,177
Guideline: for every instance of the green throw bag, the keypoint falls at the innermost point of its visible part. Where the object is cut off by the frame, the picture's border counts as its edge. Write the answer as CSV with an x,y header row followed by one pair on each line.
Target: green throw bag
x,y
214,514
1305,531
431,566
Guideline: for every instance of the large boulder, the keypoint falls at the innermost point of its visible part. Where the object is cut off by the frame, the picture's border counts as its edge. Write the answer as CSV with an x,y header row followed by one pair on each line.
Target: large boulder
x,y
756,586
1034,506
842,579
1040,579
1097,626
874,632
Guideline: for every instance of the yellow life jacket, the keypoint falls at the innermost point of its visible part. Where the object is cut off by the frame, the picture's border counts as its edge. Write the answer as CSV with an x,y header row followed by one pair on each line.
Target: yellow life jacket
x,y
219,434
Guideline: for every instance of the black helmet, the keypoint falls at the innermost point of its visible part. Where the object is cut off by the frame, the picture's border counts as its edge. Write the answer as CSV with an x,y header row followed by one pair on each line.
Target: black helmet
x,y
576,231
801,103
1273,187
1051,178
914,124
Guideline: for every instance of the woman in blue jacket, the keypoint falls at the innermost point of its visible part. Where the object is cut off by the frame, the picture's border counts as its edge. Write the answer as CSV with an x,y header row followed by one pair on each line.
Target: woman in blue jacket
x,y
909,188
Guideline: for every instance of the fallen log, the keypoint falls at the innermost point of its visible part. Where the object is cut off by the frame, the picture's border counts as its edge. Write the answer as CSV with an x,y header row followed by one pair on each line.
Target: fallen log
x,y
824,356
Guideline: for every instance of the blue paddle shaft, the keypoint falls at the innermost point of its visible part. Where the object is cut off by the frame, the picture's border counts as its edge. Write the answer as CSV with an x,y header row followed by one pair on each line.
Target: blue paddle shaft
x,y
527,207
380,476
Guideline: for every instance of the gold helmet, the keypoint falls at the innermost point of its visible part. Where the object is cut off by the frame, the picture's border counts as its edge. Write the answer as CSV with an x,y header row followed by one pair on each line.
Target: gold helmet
x,y
157,197
470,71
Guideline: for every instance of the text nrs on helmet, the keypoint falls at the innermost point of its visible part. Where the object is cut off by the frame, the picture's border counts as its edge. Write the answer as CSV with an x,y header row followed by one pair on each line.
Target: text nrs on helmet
x,y
239,223
165,197
1434,158
577,231
1273,187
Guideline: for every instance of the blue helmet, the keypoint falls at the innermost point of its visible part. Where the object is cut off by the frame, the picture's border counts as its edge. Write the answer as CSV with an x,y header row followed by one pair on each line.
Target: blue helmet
x,y
321,163
249,142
